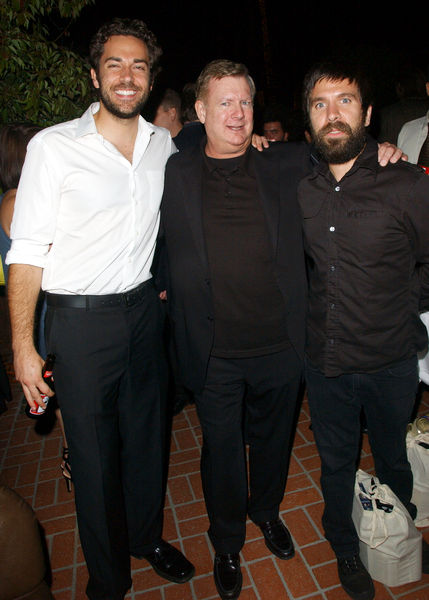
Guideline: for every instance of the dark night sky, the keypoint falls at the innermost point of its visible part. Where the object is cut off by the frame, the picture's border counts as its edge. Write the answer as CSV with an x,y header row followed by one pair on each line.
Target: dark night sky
x,y
193,33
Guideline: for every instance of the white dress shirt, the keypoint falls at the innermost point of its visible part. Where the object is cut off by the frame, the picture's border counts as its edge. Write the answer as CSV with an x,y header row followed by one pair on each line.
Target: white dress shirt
x,y
86,215
412,137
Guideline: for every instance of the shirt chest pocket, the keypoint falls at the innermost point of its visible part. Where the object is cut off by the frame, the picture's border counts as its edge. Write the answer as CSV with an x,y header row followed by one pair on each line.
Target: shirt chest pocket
x,y
359,214
372,234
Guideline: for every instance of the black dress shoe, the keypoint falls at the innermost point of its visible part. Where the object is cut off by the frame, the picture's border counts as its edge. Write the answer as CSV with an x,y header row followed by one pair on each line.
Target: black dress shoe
x,y
355,579
227,575
170,563
277,538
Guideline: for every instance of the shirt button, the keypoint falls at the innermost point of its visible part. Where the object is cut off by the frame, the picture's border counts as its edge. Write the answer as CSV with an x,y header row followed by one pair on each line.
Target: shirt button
x,y
337,188
332,306
332,267
332,229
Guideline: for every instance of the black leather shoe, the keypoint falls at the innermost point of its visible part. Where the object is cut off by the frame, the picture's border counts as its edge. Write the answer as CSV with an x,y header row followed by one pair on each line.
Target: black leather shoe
x,y
170,563
227,575
277,538
355,579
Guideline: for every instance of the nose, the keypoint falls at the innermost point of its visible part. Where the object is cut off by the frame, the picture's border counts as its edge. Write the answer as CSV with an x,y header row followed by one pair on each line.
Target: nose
x,y
333,112
127,73
238,111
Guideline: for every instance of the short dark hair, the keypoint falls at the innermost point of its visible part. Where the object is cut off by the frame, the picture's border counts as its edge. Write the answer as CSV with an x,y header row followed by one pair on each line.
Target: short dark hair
x,y
171,99
14,139
218,69
188,113
410,82
336,71
275,112
132,27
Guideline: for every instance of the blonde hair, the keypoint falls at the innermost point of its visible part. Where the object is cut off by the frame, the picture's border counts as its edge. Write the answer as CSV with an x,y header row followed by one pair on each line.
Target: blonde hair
x,y
218,69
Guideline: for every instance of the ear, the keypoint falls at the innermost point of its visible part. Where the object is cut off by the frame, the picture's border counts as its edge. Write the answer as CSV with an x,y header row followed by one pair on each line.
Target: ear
x,y
368,116
172,113
94,79
427,88
200,109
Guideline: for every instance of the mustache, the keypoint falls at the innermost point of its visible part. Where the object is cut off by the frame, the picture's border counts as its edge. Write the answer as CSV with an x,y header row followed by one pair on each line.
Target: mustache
x,y
338,126
127,86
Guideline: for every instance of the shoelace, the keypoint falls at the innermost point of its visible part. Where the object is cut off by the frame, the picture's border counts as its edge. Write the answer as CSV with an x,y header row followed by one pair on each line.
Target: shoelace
x,y
350,564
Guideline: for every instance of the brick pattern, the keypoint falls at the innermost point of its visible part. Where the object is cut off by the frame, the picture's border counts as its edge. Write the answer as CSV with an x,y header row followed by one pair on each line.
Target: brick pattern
x,y
29,463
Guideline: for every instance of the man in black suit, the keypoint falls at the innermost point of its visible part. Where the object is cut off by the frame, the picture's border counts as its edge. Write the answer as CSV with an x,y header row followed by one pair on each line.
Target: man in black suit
x,y
237,303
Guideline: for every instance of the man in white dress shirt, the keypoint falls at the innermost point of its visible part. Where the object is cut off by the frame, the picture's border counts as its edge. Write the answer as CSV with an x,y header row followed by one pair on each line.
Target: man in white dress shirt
x,y
84,229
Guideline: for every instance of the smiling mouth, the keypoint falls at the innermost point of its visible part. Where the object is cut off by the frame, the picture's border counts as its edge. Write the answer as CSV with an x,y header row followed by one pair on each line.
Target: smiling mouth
x,y
126,93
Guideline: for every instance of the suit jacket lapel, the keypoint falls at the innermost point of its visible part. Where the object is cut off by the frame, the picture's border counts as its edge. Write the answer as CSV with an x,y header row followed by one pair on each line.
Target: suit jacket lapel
x,y
268,180
193,195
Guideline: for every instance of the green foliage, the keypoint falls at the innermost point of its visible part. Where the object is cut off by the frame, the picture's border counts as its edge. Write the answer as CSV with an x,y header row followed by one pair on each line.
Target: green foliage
x,y
40,80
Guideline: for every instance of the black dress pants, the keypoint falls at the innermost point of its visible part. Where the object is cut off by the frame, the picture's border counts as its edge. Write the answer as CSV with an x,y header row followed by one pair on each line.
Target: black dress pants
x,y
263,390
110,378
387,398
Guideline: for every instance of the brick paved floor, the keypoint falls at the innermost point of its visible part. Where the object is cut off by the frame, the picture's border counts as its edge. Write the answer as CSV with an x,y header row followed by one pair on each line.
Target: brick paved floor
x,y
29,463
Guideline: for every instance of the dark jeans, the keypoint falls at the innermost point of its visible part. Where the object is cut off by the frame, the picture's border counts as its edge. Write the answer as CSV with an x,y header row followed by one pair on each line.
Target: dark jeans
x,y
387,398
263,391
110,375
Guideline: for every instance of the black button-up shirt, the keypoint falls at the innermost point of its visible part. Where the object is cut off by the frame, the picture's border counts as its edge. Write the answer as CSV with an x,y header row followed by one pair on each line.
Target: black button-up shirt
x,y
367,246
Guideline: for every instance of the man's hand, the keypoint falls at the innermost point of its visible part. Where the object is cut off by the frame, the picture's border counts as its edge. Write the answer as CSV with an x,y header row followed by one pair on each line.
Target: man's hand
x,y
28,371
389,153
259,142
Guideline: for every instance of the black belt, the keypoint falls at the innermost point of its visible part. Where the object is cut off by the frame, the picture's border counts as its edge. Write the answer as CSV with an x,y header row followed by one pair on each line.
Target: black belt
x,y
110,300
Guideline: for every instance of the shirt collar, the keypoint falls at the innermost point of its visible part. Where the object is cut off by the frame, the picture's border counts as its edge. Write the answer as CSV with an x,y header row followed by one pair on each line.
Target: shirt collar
x,y
242,162
86,124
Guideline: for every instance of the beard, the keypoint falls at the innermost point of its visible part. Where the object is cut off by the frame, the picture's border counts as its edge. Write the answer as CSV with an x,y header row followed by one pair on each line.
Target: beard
x,y
116,108
337,152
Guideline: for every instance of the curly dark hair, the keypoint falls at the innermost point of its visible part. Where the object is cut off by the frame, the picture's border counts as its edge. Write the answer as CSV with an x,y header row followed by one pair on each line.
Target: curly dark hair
x,y
133,27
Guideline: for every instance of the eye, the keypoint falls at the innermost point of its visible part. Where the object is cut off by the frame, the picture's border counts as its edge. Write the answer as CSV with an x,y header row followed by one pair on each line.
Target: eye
x,y
225,103
319,105
246,103
345,100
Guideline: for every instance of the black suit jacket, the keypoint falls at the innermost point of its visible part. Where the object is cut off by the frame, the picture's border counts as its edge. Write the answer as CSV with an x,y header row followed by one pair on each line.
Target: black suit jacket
x,y
278,171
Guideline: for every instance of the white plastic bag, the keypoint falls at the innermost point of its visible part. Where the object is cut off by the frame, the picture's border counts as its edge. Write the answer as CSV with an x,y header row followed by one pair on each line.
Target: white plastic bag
x,y
418,457
424,357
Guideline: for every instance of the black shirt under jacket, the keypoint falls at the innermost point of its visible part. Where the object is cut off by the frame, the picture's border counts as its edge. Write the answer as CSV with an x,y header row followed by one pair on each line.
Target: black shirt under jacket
x,y
249,309
367,246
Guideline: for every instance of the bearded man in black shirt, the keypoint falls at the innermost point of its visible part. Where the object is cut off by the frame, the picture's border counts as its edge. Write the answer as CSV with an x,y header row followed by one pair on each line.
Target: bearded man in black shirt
x,y
366,237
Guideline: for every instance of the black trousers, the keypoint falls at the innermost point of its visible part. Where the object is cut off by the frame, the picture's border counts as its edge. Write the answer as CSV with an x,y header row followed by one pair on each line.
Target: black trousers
x,y
110,378
262,392
387,398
